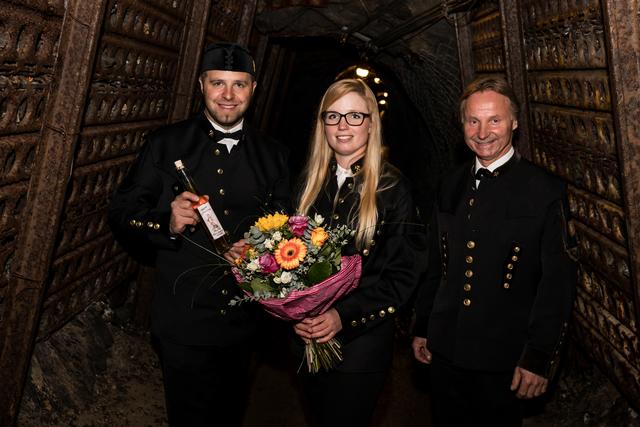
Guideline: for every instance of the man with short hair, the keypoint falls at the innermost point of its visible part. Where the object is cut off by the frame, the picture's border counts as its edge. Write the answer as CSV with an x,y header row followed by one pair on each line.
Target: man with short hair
x,y
203,343
493,312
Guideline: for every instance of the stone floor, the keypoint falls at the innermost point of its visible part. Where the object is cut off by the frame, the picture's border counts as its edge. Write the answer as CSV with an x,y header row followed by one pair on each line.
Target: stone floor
x,y
99,372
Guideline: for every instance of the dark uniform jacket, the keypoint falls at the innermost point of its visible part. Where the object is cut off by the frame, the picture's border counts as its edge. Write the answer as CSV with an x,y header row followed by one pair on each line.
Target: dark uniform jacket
x,y
501,281
193,287
390,267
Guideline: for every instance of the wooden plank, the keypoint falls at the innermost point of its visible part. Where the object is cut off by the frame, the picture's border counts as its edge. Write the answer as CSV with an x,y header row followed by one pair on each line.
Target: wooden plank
x,y
191,54
47,186
623,30
516,71
465,55
246,22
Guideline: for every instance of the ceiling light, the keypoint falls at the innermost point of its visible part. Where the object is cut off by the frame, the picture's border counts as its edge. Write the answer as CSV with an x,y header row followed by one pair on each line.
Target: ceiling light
x,y
362,72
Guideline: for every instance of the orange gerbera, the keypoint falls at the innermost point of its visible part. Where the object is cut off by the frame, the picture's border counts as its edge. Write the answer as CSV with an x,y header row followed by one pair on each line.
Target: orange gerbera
x,y
318,236
290,253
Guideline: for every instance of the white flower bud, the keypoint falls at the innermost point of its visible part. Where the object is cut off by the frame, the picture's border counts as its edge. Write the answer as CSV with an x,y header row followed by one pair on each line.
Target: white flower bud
x,y
285,277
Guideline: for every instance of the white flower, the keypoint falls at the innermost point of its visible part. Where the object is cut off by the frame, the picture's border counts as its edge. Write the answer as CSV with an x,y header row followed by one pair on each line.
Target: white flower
x,y
318,219
253,265
276,280
277,236
268,244
285,277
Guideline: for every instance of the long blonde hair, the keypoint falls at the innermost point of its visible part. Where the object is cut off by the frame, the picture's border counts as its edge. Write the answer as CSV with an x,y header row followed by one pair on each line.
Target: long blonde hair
x,y
320,155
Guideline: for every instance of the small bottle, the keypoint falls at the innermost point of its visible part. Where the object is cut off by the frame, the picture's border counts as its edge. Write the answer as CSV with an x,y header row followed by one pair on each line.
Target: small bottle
x,y
208,217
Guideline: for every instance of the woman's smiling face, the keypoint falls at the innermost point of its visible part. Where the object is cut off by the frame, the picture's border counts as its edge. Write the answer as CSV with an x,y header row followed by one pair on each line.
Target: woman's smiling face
x,y
348,142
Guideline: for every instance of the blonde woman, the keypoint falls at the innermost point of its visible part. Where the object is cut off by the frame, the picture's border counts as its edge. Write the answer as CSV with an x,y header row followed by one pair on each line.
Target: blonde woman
x,y
347,181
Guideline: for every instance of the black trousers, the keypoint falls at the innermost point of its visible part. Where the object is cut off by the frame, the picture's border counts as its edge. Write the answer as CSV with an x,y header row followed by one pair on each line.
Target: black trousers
x,y
337,399
461,397
204,385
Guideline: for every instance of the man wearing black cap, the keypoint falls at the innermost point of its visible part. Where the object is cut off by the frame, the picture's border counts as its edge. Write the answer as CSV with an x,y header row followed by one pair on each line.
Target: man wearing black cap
x,y
203,343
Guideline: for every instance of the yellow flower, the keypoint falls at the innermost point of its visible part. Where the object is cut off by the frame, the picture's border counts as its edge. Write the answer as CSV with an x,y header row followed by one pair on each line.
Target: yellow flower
x,y
290,253
271,222
318,236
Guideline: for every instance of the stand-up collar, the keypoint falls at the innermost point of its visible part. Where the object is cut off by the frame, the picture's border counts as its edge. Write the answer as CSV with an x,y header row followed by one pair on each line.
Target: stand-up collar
x,y
500,166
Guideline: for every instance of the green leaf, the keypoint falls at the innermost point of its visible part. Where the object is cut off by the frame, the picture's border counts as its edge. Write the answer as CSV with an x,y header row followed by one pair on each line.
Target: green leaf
x,y
325,250
245,286
259,285
337,259
318,272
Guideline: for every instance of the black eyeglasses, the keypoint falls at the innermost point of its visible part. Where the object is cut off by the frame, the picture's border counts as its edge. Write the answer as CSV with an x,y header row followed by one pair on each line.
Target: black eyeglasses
x,y
353,118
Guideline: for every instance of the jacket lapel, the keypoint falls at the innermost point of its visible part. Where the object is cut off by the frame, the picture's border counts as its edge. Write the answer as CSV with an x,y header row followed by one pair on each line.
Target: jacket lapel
x,y
453,191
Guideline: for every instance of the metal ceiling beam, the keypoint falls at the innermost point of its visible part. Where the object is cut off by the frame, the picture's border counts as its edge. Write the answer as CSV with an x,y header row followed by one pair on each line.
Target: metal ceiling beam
x,y
420,22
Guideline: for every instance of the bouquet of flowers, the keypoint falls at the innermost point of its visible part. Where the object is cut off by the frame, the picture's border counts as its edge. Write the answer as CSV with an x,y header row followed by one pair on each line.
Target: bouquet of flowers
x,y
293,266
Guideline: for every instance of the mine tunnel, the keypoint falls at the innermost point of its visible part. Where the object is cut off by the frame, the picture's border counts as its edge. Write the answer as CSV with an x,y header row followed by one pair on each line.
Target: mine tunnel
x,y
82,83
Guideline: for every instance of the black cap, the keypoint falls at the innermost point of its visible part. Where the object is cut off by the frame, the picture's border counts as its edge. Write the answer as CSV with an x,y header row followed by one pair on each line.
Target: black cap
x,y
227,57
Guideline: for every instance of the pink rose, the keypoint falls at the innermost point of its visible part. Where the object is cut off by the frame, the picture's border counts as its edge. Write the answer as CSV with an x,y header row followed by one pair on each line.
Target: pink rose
x,y
268,264
298,224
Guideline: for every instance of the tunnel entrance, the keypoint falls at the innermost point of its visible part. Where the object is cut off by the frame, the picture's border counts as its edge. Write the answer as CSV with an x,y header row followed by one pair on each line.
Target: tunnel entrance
x,y
313,63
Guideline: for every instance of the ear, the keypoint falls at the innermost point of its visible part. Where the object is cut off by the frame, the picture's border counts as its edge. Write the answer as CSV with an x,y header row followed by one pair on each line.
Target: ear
x,y
254,85
514,125
201,84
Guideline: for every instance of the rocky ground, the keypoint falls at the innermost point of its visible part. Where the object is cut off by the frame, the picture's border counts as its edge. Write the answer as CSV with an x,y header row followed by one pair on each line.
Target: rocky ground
x,y
98,371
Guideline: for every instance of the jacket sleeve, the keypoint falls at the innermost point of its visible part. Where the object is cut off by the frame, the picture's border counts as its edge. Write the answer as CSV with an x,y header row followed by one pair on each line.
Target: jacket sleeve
x,y
391,274
430,282
551,310
139,221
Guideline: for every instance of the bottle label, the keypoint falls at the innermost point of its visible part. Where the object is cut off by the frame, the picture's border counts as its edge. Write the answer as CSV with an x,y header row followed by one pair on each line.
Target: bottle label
x,y
211,220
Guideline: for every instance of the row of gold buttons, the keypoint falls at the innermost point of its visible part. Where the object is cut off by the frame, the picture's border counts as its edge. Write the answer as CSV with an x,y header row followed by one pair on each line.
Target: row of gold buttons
x,y
556,353
469,260
139,224
510,265
445,254
381,314
224,292
468,273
